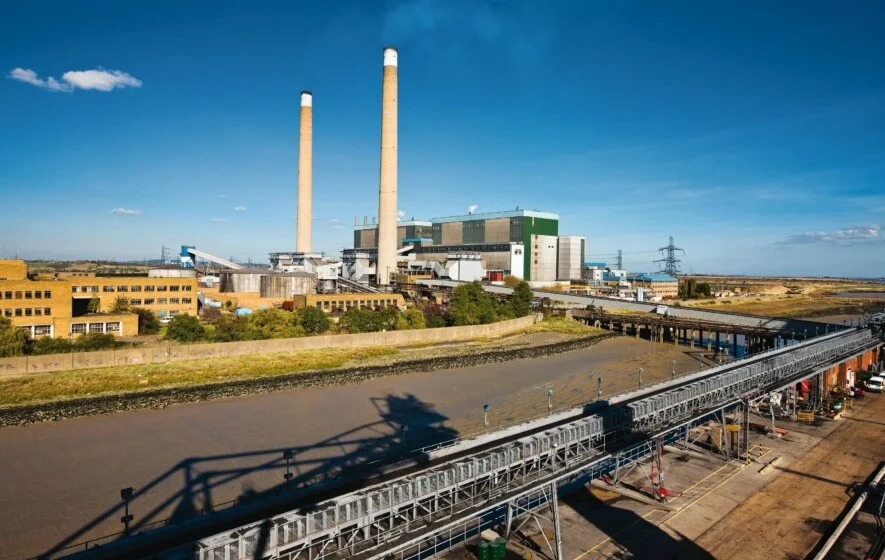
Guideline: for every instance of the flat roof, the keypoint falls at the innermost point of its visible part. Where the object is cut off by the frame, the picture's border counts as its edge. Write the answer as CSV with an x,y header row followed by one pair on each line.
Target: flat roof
x,y
398,224
493,215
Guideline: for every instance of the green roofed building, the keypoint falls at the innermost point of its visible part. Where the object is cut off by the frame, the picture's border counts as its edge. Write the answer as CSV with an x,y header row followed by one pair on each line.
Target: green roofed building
x,y
492,234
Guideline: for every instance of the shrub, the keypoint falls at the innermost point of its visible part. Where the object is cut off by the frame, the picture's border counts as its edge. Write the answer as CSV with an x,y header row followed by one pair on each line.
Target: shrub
x,y
414,318
13,341
211,314
356,321
88,342
313,320
185,328
434,318
230,328
521,299
471,305
274,323
120,305
94,305
49,345
147,321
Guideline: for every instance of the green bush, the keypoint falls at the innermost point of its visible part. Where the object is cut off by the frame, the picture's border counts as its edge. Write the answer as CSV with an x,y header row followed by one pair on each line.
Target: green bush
x,y
414,318
313,320
185,328
274,323
88,342
147,321
356,321
521,299
49,345
230,328
13,341
434,318
120,305
471,305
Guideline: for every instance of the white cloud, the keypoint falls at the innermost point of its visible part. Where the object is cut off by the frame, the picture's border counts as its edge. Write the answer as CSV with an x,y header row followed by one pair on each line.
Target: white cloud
x,y
217,219
102,80
336,221
222,196
337,226
126,212
472,208
400,214
239,208
857,233
30,77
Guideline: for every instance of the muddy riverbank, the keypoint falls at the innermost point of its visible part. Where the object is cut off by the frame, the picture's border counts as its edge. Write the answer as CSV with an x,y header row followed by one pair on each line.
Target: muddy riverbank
x,y
61,480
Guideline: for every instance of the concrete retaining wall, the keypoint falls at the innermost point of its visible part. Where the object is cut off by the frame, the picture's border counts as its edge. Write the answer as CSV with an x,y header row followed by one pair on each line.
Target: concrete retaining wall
x,y
171,352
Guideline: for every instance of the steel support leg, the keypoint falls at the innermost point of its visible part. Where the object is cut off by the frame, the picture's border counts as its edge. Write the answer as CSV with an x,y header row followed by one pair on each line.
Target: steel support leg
x,y
557,530
508,521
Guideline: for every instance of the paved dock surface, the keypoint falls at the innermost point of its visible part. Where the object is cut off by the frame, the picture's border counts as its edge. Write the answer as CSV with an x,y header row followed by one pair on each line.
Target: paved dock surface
x,y
788,517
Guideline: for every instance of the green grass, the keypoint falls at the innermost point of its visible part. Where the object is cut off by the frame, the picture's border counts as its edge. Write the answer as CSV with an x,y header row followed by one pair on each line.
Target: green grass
x,y
564,326
90,382
792,306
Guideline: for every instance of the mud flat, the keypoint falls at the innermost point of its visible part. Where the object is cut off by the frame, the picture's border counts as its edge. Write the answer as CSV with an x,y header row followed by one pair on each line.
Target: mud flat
x,y
62,479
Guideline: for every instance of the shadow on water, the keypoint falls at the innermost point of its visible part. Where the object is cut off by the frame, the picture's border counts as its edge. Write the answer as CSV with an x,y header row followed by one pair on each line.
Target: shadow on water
x,y
342,461
633,535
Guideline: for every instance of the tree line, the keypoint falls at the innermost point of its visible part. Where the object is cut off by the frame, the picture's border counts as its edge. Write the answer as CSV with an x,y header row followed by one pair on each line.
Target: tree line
x,y
469,304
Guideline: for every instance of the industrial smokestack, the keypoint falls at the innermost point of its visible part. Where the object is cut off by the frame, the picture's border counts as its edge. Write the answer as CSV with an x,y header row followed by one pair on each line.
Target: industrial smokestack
x,y
303,227
386,264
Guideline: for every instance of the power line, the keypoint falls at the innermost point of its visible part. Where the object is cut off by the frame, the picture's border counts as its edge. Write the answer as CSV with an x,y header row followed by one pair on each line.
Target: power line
x,y
670,262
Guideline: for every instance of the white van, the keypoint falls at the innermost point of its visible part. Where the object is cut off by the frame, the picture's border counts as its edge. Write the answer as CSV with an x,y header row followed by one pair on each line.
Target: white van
x,y
875,384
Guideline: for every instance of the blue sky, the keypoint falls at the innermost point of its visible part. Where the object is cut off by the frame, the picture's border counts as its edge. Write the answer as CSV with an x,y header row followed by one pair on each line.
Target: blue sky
x,y
752,132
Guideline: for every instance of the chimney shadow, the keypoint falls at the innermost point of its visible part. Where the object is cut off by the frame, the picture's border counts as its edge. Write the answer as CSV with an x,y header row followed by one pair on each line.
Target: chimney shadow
x,y
350,460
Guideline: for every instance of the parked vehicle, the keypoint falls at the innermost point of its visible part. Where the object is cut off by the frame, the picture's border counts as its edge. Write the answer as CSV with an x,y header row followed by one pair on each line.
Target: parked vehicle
x,y
662,310
875,384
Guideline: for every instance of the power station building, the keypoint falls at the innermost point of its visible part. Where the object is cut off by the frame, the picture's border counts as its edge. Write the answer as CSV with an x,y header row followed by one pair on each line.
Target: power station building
x,y
522,243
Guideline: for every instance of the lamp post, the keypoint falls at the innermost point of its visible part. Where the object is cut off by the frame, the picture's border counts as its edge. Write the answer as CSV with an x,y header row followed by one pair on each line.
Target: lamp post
x,y
673,371
549,401
599,387
485,416
640,377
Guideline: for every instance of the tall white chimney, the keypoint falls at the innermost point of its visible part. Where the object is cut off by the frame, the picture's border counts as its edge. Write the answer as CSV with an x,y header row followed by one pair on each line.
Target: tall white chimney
x,y
386,264
303,226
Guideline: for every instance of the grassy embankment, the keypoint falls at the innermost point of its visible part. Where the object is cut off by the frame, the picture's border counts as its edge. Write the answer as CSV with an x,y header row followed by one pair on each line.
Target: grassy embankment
x,y
90,382
563,326
45,387
816,303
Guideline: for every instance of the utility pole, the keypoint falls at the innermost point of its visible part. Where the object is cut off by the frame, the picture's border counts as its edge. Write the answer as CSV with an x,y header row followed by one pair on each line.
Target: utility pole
x,y
670,263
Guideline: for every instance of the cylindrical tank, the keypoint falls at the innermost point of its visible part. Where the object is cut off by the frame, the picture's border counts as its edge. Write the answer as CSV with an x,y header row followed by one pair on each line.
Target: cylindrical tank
x,y
482,550
243,280
286,284
172,273
499,549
